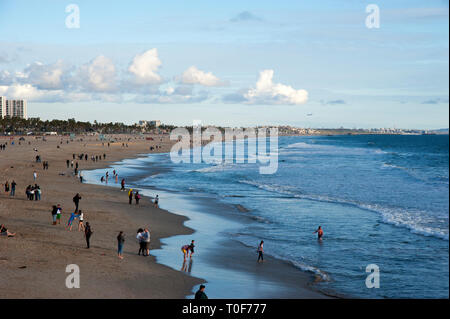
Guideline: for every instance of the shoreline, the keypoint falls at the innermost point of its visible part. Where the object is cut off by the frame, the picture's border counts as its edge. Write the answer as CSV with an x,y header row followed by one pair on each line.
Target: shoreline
x,y
165,225
284,279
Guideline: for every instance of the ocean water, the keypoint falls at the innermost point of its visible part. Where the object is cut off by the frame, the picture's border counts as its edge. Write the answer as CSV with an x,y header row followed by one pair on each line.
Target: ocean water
x,y
380,199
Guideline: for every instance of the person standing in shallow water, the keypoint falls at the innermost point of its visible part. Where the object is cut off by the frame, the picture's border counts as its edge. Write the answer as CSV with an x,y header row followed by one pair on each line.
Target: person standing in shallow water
x,y
261,251
319,232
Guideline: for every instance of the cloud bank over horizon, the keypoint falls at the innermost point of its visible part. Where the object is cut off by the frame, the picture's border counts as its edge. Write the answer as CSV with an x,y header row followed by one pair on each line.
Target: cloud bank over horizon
x,y
100,79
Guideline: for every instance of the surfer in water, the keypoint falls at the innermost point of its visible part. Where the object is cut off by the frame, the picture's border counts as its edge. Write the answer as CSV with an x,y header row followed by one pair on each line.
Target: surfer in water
x,y
319,232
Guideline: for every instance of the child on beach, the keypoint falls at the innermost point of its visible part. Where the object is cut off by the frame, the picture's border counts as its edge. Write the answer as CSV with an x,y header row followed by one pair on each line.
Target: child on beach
x,y
156,200
185,250
137,197
80,220
58,214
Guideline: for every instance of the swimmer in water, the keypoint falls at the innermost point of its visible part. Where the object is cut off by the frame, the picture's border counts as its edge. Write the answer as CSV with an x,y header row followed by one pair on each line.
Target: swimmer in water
x,y
319,232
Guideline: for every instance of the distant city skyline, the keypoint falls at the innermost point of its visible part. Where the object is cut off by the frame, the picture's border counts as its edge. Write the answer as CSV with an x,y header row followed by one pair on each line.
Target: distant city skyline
x,y
234,63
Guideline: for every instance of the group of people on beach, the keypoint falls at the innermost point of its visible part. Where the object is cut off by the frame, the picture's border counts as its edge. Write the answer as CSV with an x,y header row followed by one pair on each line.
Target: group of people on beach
x,y
33,192
188,250
143,237
137,197
10,188
105,178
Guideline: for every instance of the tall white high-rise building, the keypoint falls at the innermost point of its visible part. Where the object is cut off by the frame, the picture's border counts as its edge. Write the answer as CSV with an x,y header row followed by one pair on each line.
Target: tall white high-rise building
x,y
16,108
2,107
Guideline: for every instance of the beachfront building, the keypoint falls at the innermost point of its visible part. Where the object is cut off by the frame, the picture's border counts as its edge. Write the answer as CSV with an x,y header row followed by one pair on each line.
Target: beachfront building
x,y
155,123
2,107
16,108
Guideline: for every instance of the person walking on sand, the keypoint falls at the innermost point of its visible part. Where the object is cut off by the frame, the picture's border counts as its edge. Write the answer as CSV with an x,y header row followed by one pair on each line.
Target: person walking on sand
x,y
76,200
34,175
146,241
140,241
261,251
87,234
70,221
130,196
13,188
200,294
137,197
122,184
156,201
54,213
319,232
80,221
120,242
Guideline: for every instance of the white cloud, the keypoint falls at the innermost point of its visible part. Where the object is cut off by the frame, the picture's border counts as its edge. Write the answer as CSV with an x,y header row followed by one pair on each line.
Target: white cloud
x,y
5,77
31,93
100,80
145,67
20,91
195,76
99,75
267,92
44,76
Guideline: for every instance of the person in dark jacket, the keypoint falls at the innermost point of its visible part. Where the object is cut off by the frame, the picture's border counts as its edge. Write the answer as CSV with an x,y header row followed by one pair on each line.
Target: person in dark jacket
x,y
76,200
87,234
200,294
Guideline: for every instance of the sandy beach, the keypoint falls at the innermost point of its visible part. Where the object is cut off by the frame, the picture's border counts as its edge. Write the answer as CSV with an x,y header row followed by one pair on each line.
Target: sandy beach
x,y
34,261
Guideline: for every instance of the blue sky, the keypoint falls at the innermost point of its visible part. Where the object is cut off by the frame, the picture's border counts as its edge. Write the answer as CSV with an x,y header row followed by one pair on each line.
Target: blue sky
x,y
233,63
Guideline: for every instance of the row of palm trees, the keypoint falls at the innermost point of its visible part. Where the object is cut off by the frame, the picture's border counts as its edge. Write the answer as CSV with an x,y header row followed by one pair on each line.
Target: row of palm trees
x,y
37,126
